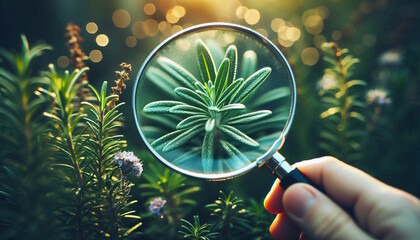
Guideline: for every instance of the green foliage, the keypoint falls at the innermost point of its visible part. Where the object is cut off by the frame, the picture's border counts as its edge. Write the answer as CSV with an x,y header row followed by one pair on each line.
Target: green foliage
x,y
113,209
343,116
87,143
175,190
229,215
196,231
213,107
27,195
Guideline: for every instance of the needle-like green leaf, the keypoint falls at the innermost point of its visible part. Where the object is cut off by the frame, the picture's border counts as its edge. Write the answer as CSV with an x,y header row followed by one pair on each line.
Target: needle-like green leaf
x,y
229,91
271,96
249,63
234,153
178,72
232,55
190,96
251,84
205,62
191,121
183,138
207,152
235,106
221,78
249,117
187,110
238,135
161,106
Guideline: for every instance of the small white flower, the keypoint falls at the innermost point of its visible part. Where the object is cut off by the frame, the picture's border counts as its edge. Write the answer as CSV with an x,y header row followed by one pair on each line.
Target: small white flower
x,y
390,58
327,81
378,96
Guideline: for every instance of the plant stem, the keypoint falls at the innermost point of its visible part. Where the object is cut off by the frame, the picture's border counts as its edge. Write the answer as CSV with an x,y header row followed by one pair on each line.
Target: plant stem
x,y
80,184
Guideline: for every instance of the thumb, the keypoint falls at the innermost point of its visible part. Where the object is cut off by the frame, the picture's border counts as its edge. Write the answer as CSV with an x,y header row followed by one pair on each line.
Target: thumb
x,y
318,216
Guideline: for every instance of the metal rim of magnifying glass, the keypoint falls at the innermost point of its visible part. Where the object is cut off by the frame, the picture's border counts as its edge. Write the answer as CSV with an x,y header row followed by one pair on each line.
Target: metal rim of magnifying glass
x,y
276,145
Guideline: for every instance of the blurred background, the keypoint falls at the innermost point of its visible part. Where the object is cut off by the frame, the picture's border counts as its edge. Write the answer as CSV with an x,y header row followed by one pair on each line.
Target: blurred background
x,y
382,34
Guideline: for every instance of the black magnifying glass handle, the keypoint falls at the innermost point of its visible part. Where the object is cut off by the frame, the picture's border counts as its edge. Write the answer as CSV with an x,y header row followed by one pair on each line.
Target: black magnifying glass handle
x,y
279,167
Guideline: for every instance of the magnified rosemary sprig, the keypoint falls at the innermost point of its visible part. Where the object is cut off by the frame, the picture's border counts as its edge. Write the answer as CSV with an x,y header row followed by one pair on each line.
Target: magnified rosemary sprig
x,y
212,107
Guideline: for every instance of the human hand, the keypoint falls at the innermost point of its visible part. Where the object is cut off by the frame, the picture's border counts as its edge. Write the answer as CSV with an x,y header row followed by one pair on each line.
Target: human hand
x,y
378,210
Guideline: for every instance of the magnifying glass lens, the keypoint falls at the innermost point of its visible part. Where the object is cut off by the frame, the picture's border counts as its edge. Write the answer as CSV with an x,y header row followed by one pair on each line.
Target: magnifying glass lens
x,y
213,99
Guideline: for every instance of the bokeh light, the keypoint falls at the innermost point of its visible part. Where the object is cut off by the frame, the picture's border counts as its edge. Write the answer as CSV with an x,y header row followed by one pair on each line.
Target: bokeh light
x,y
149,8
165,28
63,61
277,24
121,18
150,27
102,40
137,30
130,41
95,56
252,16
240,12
91,27
310,56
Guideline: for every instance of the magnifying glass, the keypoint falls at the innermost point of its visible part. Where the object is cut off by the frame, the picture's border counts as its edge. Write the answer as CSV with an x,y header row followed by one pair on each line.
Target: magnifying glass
x,y
216,100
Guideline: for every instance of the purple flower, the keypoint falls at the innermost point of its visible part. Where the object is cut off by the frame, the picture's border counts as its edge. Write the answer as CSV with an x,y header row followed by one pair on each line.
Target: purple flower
x,y
156,206
128,163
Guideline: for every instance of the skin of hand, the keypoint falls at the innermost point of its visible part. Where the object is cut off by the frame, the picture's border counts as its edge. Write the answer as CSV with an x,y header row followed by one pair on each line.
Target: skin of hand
x,y
378,211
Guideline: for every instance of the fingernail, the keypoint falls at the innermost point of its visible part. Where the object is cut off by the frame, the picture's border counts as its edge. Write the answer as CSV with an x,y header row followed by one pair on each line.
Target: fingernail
x,y
299,202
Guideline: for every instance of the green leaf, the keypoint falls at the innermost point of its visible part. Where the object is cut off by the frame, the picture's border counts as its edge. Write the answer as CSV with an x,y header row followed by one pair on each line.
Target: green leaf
x,y
191,96
186,109
222,77
238,135
132,229
229,91
161,106
205,62
330,111
249,117
178,72
191,121
162,80
234,153
353,83
234,106
207,152
210,125
271,96
161,142
232,55
249,64
251,84
183,138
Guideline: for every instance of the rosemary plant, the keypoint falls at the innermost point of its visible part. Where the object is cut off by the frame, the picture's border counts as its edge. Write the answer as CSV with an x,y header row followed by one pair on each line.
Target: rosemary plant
x,y
113,210
229,214
175,194
213,107
196,230
343,115
27,193
68,139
